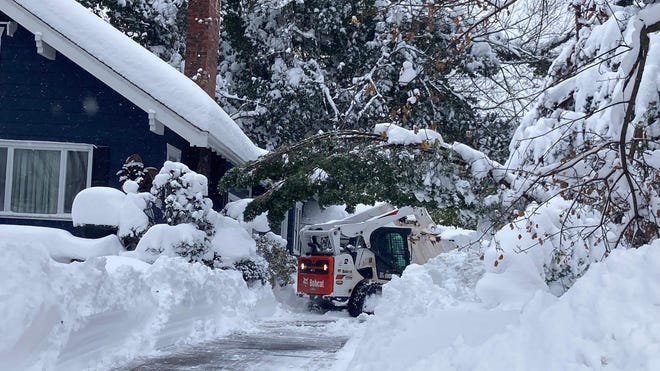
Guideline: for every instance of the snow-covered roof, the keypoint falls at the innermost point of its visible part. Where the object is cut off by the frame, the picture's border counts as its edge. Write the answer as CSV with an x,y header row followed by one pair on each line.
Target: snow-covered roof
x,y
167,95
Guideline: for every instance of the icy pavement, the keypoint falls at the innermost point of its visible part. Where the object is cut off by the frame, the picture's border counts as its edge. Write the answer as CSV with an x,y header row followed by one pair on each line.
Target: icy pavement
x,y
273,345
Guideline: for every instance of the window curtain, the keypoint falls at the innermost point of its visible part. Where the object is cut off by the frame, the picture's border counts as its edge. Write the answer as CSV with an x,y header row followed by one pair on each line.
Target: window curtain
x,y
3,175
76,176
35,181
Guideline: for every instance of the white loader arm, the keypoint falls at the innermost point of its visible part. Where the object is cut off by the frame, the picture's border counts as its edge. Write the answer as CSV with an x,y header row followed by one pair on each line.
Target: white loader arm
x,y
422,217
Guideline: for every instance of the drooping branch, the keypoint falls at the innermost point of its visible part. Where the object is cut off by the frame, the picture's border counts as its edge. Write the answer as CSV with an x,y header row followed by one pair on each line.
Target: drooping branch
x,y
638,72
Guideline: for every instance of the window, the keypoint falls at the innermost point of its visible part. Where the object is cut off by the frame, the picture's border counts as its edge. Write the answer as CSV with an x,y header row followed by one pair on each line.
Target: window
x,y
41,179
390,245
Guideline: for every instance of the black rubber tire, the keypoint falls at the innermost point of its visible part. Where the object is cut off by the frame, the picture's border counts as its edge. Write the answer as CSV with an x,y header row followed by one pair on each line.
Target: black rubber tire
x,y
360,293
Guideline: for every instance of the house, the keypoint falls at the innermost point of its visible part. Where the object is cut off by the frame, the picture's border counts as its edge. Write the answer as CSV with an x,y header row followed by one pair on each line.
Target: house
x,y
77,97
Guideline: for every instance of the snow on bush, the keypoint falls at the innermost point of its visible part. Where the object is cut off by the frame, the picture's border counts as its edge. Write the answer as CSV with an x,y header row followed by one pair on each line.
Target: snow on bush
x,y
178,197
134,174
134,220
281,265
274,265
108,310
181,195
183,240
97,206
232,241
433,317
235,211
238,250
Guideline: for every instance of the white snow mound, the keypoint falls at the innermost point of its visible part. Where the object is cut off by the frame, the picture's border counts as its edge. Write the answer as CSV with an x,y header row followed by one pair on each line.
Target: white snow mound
x,y
432,319
108,310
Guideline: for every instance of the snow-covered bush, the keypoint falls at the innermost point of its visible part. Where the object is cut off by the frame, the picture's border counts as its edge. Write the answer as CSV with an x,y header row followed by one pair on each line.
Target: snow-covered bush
x,y
277,265
133,169
182,240
134,217
254,270
281,264
180,195
99,206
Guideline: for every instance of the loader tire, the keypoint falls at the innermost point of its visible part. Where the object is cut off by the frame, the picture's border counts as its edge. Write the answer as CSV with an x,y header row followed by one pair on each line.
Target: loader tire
x,y
359,296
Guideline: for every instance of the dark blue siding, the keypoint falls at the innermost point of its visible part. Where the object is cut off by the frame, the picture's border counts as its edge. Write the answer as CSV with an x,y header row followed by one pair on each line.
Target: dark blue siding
x,y
58,101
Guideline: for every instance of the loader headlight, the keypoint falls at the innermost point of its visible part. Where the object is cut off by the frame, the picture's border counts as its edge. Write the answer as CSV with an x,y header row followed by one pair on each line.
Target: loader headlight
x,y
325,267
302,266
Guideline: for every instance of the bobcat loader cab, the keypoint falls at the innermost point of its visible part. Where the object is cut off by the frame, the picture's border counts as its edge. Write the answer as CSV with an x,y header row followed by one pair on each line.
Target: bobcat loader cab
x,y
343,262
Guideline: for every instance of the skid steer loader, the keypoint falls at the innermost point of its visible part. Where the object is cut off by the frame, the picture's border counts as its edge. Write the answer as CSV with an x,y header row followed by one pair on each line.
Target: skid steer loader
x,y
342,263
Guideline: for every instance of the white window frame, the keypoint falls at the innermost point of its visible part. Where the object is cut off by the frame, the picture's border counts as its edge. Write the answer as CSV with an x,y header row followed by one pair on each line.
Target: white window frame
x,y
11,145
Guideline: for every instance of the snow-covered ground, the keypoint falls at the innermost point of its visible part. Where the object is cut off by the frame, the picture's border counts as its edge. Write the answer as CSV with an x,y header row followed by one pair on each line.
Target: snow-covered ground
x,y
434,318
453,313
110,308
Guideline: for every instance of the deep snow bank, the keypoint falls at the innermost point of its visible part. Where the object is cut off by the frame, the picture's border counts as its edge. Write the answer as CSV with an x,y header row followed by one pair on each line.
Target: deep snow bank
x,y
60,245
432,319
107,310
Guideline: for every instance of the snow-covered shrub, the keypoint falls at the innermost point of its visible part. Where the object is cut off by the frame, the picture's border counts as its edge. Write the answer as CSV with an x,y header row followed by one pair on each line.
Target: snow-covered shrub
x,y
99,206
135,216
181,196
270,247
281,265
132,169
183,240
254,270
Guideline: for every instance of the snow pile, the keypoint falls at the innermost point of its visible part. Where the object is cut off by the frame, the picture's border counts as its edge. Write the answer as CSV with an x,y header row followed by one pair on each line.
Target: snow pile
x,y
433,318
59,245
107,310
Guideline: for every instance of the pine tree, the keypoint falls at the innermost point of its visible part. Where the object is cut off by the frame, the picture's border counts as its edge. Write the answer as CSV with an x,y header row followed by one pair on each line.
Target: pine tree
x,y
290,69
